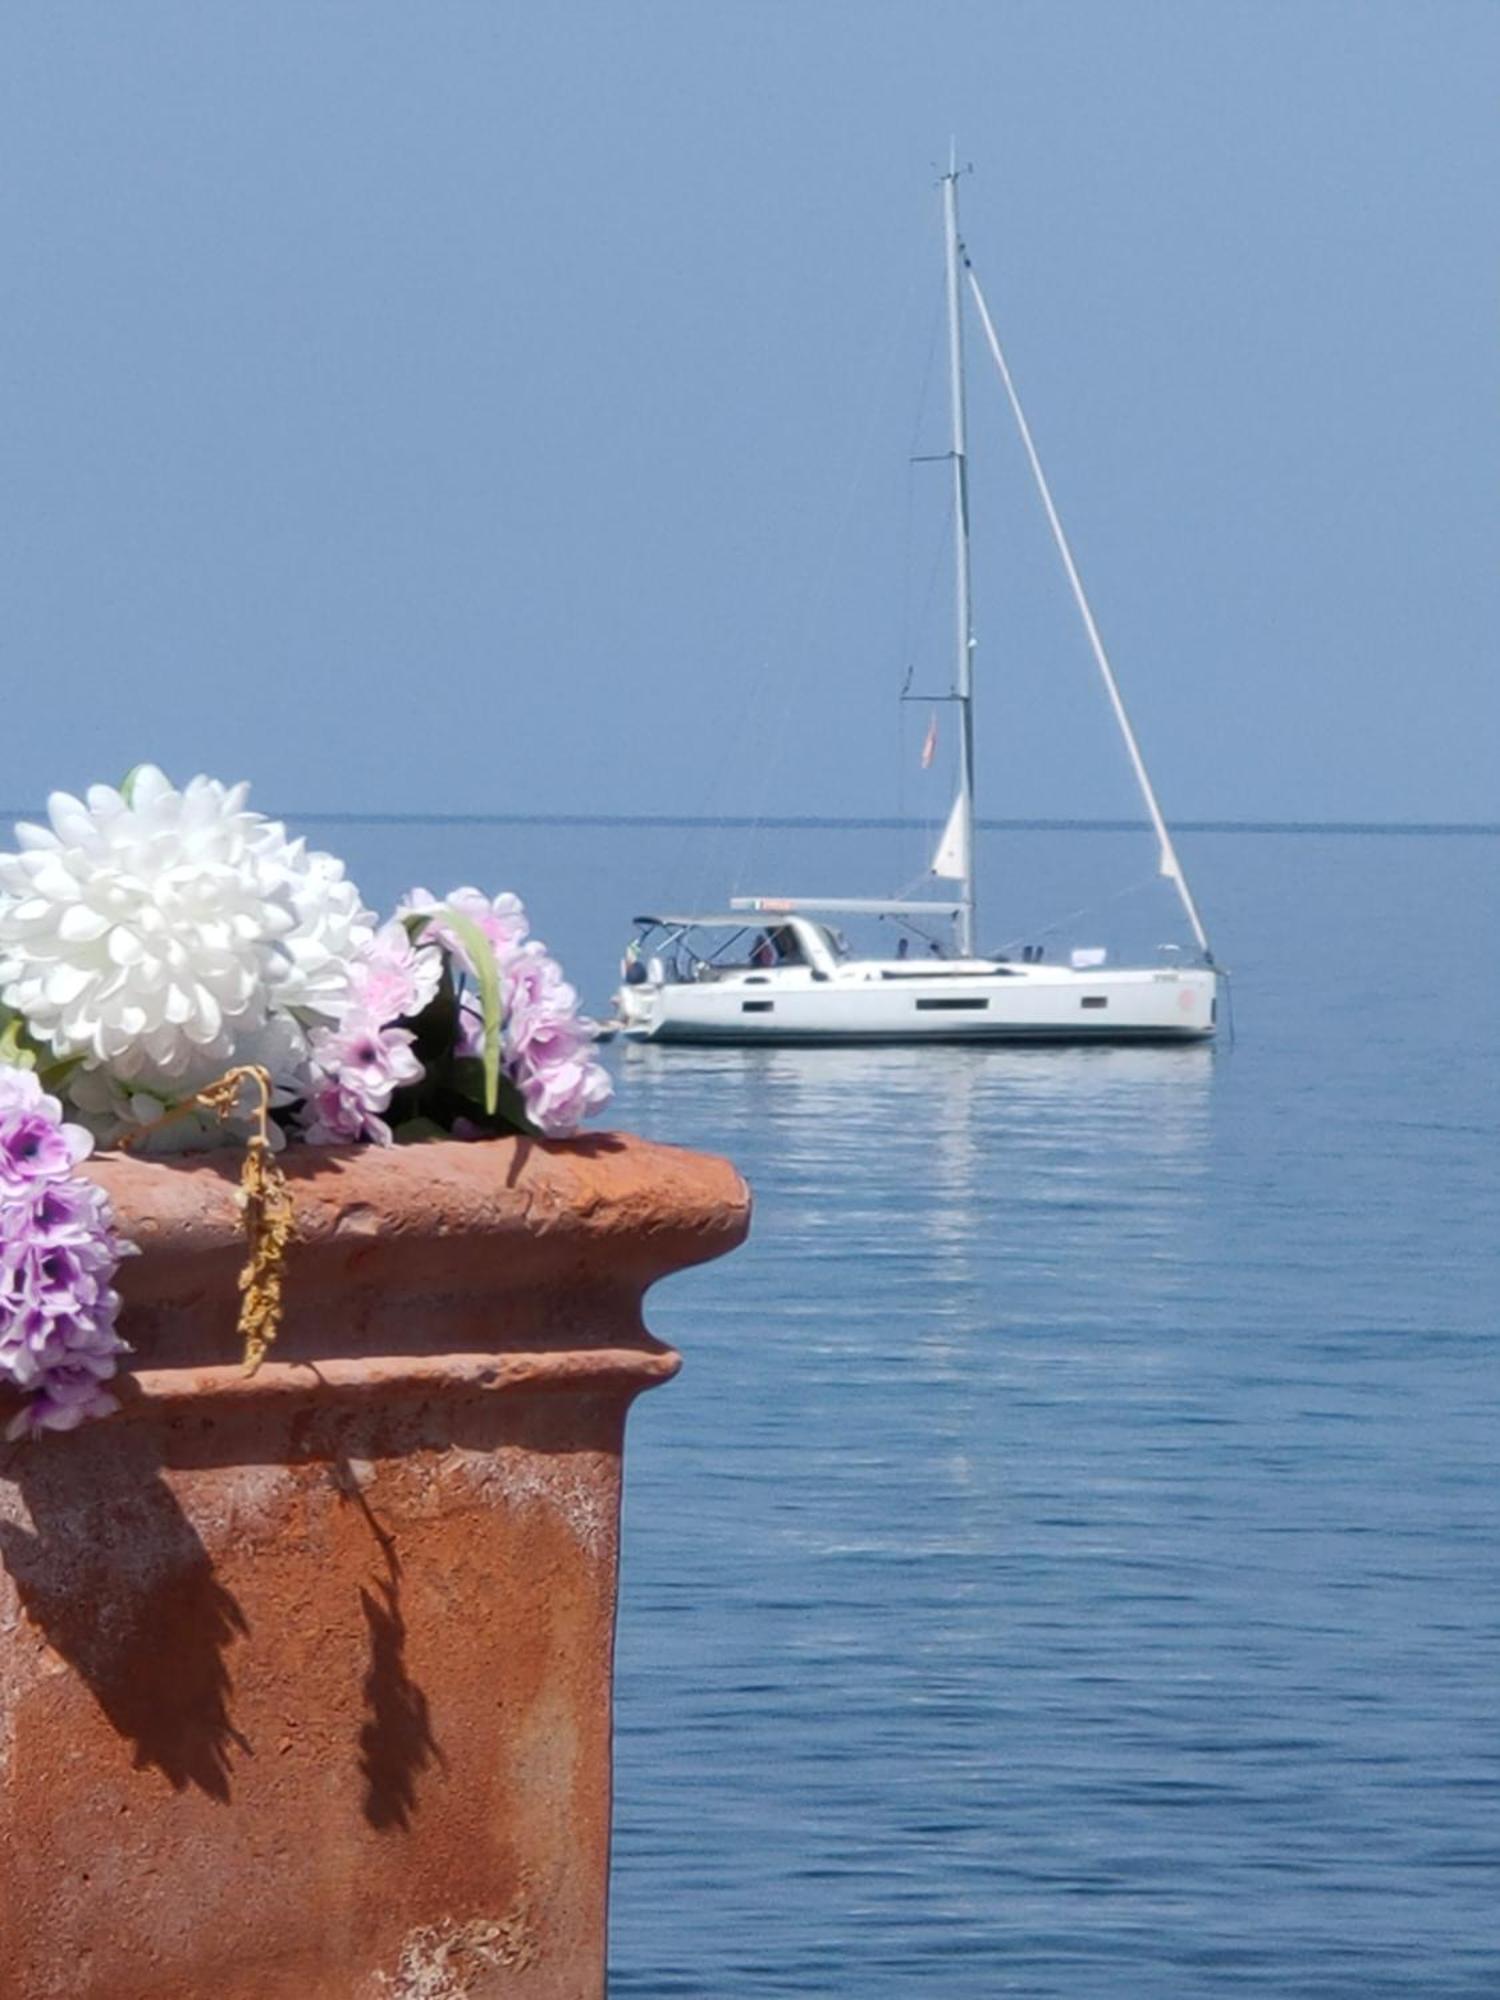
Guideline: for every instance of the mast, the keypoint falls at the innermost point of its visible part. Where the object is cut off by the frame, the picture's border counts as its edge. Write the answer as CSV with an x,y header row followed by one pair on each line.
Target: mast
x,y
962,822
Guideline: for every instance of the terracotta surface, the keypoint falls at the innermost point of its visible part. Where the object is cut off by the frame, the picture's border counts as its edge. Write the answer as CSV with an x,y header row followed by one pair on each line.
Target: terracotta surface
x,y
305,1680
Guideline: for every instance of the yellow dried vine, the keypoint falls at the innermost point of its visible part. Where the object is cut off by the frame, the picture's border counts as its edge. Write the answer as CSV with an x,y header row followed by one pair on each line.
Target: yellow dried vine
x,y
265,1200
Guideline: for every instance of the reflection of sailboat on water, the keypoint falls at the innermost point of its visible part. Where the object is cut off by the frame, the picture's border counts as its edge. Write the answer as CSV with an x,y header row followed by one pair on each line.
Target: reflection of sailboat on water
x,y
1150,1103
771,970
1001,1134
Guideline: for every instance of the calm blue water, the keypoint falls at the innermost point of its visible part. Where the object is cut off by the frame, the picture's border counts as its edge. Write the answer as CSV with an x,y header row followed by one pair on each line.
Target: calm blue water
x,y
1069,1563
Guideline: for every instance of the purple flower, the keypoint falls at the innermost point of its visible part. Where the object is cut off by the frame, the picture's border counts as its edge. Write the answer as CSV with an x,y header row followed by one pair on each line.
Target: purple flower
x,y
68,1398
35,1144
59,1251
71,1211
357,1069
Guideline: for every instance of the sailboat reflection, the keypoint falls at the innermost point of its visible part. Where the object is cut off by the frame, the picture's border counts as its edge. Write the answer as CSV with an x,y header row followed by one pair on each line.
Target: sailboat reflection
x,y
979,1120
948,1241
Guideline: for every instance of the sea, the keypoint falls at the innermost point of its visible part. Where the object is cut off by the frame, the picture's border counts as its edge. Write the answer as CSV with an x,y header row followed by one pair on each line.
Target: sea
x,y
1068,1564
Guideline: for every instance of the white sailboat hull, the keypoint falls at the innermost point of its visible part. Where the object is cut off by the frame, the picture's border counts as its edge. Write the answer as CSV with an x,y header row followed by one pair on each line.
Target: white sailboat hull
x,y
895,1002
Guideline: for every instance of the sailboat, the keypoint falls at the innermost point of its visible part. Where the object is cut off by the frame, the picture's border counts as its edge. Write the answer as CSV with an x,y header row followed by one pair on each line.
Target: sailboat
x,y
777,968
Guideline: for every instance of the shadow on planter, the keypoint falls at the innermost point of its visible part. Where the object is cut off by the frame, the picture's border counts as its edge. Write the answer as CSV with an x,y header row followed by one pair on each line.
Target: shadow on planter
x,y
396,1744
150,1634
123,1589
121,1586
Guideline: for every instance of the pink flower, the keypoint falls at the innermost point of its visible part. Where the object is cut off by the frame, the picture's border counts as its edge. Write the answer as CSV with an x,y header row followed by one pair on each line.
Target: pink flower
x,y
561,1095
369,1056
357,1069
359,1064
393,979
502,919
547,1045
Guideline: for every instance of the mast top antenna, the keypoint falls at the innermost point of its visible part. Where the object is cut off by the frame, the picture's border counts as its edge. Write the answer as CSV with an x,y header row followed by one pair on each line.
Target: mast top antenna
x,y
952,171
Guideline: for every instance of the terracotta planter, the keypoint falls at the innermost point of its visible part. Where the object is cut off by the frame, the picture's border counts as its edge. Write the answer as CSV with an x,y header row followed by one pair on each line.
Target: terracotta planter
x,y
305,1679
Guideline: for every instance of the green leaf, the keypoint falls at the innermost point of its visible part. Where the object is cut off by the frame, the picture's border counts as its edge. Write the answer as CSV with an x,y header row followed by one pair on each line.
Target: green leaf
x,y
480,954
464,1100
14,1052
511,1110
56,1071
466,1076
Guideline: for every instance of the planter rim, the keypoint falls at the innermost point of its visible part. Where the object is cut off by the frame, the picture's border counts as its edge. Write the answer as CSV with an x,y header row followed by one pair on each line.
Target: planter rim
x,y
471,1268
606,1185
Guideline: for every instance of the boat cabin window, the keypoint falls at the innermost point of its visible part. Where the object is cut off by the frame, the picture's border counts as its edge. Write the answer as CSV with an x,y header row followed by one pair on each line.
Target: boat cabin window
x,y
783,944
777,945
690,954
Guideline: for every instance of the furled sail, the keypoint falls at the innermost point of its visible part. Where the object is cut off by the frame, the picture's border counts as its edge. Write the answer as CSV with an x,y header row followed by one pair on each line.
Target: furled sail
x,y
951,862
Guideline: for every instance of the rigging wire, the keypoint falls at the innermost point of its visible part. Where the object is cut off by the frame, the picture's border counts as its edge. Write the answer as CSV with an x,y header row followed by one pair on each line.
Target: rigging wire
x,y
924,825
908,539
1168,863
1033,931
909,633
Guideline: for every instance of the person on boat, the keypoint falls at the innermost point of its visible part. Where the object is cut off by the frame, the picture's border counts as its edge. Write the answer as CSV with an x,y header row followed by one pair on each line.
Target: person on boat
x,y
903,947
764,952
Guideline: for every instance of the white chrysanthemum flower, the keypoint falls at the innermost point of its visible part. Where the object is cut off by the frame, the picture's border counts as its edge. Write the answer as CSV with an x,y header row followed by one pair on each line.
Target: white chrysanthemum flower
x,y
329,925
115,1112
155,935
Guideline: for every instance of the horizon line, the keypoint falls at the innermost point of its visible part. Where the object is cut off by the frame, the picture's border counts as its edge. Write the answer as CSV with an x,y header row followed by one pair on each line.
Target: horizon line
x,y
889,823
861,823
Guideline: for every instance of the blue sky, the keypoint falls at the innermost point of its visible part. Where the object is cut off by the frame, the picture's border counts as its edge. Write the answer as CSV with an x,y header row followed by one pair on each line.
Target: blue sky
x,y
484,407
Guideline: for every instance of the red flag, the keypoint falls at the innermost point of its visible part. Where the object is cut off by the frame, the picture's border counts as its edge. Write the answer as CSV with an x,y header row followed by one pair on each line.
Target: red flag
x,y
929,743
